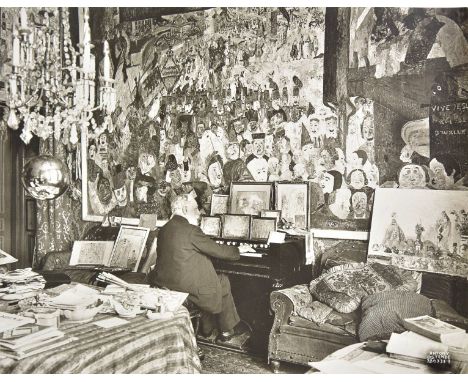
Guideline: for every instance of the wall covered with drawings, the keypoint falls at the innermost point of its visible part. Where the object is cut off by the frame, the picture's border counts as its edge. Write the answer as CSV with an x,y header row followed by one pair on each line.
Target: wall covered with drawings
x,y
223,95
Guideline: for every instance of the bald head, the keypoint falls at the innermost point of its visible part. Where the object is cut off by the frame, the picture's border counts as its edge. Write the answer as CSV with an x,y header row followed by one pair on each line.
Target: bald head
x,y
186,206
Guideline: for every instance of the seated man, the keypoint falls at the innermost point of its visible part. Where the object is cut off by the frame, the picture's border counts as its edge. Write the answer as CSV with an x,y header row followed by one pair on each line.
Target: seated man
x,y
184,265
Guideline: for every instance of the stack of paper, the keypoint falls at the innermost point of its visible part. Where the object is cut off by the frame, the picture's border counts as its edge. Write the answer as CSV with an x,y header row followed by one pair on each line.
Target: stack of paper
x,y
34,343
20,284
77,297
10,321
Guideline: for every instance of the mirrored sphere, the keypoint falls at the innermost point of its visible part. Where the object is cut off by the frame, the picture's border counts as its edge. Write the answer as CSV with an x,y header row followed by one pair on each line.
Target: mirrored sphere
x,y
45,177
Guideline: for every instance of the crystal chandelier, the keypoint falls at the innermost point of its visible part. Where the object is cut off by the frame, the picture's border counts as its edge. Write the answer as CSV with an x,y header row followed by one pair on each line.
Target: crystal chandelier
x,y
52,85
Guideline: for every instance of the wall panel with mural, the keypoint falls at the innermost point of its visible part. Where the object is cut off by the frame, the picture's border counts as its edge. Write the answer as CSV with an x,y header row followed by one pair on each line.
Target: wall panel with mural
x,y
213,96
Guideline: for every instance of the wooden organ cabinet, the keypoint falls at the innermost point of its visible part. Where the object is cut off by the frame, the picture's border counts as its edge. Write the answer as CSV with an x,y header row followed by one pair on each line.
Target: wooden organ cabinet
x,y
275,266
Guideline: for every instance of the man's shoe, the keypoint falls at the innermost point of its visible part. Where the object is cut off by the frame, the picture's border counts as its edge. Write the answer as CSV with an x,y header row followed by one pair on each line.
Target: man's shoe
x,y
239,329
226,336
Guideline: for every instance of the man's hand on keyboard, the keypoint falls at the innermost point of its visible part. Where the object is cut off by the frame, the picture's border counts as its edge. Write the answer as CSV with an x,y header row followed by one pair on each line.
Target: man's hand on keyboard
x,y
245,248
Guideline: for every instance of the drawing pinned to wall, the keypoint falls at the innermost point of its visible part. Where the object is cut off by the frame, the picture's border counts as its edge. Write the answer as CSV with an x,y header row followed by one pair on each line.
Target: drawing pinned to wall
x,y
410,235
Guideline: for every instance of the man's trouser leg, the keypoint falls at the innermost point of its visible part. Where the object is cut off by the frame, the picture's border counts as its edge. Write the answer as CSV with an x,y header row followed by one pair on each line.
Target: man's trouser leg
x,y
228,318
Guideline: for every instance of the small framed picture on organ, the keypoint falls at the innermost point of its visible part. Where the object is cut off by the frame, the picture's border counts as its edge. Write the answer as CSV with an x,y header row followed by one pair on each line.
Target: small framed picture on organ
x,y
235,226
219,204
271,214
211,225
260,228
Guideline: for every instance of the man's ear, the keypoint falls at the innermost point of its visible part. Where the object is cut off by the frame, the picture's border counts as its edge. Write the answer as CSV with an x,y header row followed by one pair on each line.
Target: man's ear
x,y
184,210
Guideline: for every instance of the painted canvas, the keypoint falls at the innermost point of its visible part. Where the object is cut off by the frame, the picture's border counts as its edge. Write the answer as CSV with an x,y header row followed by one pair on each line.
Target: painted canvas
x,y
293,201
423,230
205,98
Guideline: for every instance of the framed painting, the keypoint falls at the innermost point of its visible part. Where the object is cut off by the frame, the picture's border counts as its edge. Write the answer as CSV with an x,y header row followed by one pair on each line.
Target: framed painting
x,y
249,198
293,201
421,230
236,226
219,204
261,227
211,225
129,247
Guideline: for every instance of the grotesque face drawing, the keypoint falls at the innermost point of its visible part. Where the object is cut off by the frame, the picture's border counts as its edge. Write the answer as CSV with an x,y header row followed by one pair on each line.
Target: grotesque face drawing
x,y
331,127
104,190
357,179
146,162
103,141
412,176
273,166
92,152
232,151
326,181
368,128
439,180
359,204
141,194
248,149
259,147
215,174
314,127
258,167
326,160
121,195
299,171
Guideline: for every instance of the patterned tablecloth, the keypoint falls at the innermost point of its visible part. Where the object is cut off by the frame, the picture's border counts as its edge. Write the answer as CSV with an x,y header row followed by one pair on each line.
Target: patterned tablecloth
x,y
141,346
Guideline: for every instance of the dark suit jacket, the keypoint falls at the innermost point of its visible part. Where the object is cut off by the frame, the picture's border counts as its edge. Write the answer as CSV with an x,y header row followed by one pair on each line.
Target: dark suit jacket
x,y
184,264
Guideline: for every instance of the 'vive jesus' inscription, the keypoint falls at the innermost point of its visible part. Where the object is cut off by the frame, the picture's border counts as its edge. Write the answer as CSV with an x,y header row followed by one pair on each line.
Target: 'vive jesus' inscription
x,y
449,130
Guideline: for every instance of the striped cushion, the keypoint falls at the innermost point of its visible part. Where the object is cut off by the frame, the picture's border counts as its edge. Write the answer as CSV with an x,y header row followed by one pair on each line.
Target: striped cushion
x,y
382,313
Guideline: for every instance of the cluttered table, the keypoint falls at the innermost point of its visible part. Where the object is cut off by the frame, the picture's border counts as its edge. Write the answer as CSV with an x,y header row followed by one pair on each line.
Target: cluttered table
x,y
96,339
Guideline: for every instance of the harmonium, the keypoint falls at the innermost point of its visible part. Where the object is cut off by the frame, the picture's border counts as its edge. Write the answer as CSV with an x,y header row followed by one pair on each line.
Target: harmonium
x,y
273,265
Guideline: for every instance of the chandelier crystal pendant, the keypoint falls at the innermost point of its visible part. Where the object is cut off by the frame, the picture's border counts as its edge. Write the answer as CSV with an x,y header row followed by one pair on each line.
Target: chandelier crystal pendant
x,y
52,85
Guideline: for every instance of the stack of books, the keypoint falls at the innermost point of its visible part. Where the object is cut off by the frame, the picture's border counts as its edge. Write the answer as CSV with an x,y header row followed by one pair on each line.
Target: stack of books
x,y
28,341
20,284
427,335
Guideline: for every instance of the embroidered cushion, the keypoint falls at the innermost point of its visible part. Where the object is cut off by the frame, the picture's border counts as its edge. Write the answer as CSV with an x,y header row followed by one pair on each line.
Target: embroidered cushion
x,y
343,287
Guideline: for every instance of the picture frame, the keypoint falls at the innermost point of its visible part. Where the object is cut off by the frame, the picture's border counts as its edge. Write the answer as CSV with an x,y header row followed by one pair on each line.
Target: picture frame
x,y
211,225
260,227
91,253
271,214
129,247
235,226
219,204
249,198
292,198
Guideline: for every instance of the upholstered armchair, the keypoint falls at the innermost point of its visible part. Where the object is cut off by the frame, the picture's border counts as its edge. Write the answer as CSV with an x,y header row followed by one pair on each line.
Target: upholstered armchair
x,y
305,329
